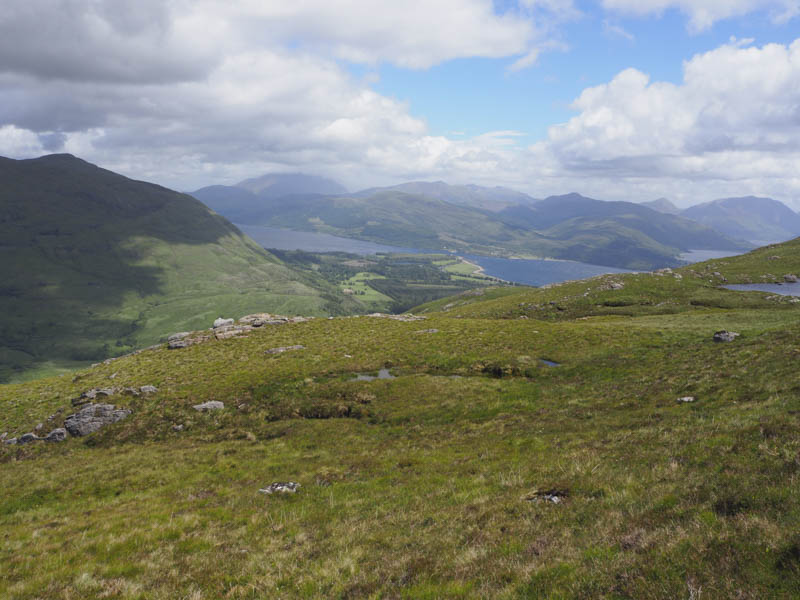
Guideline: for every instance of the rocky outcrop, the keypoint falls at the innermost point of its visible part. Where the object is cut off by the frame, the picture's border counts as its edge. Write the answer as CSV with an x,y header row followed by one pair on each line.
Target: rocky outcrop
x,y
223,322
104,393
92,417
57,435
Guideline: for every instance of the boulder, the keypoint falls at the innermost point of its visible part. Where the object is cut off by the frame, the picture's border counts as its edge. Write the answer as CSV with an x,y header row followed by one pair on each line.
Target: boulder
x,y
790,278
209,406
27,438
179,336
148,389
175,344
93,417
57,435
725,336
288,487
222,322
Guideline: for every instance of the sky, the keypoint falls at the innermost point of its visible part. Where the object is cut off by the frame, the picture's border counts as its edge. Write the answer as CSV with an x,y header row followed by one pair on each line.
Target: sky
x,y
634,100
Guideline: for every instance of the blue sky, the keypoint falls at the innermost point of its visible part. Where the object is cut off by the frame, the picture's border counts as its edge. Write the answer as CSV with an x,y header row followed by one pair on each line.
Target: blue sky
x,y
476,95
617,99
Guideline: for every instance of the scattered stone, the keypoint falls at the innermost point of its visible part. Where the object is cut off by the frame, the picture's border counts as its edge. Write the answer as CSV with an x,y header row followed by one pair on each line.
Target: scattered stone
x,y
288,487
129,391
222,322
92,417
3,436
664,271
148,389
686,399
209,406
113,375
790,278
428,330
616,285
552,496
725,336
57,435
38,427
94,394
281,349
177,427
10,441
242,406
27,438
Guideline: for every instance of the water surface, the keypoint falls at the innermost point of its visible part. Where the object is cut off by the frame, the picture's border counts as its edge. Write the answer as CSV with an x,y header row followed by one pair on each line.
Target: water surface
x,y
783,289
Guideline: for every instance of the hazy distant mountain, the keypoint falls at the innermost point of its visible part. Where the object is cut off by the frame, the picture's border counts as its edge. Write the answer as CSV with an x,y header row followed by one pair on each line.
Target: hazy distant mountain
x,y
619,234
662,205
285,184
473,196
93,264
242,201
749,218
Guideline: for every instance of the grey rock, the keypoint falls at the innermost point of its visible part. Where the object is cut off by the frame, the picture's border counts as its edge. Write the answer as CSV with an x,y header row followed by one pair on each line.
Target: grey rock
x,y
288,487
616,285
431,330
129,391
3,436
10,441
179,336
175,344
57,435
790,278
148,389
92,417
281,349
686,399
725,336
177,427
94,394
38,427
222,322
209,406
27,438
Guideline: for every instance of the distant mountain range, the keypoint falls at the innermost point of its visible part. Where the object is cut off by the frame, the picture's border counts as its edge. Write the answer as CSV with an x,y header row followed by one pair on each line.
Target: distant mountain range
x,y
94,264
760,220
481,220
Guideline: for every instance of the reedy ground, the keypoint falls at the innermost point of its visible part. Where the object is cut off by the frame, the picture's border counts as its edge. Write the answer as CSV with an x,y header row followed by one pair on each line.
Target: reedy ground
x,y
418,486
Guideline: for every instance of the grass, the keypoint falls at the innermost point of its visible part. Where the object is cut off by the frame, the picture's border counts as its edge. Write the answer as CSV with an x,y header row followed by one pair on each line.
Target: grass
x,y
421,486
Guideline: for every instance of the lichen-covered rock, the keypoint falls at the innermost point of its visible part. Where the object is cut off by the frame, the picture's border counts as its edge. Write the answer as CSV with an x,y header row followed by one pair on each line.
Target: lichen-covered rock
x,y
209,406
93,417
57,435
281,349
725,336
288,487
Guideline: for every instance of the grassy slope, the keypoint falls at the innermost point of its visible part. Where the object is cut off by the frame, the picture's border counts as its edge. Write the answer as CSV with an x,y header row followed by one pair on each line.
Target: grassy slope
x,y
94,264
415,487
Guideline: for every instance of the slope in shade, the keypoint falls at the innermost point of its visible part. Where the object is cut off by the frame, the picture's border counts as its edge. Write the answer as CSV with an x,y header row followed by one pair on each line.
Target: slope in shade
x,y
94,264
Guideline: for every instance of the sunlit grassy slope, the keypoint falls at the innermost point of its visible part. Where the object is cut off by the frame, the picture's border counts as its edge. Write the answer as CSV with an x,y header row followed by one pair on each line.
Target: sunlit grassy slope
x,y
94,264
424,486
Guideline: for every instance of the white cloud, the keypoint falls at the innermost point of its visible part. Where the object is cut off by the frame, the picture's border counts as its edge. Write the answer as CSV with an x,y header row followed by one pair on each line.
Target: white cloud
x,y
704,13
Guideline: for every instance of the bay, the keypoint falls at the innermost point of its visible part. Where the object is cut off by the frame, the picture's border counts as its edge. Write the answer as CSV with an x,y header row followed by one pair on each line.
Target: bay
x,y
535,272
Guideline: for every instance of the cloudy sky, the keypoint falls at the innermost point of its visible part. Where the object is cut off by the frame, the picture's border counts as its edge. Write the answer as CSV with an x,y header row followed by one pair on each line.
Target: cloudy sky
x,y
616,99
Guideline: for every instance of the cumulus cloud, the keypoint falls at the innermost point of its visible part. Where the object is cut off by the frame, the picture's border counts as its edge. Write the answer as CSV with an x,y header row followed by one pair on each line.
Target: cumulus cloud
x,y
704,13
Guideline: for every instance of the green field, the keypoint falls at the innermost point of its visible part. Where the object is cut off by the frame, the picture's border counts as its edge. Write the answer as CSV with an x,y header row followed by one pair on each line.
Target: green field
x,y
437,483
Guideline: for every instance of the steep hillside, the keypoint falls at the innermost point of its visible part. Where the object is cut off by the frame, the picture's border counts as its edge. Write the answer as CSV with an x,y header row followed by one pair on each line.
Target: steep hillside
x,y
761,220
588,440
93,264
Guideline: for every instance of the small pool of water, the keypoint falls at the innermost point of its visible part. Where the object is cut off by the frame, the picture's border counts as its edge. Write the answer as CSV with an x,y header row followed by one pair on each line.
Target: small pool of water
x,y
382,374
782,289
549,363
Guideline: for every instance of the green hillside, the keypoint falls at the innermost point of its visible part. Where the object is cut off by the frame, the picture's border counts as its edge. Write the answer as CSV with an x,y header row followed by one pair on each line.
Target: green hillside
x,y
93,264
477,471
